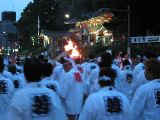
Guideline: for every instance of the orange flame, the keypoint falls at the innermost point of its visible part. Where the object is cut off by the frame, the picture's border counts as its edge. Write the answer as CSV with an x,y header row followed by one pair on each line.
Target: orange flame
x,y
71,47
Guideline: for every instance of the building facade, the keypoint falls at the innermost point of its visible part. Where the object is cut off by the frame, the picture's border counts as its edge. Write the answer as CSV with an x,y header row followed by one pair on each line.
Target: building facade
x,y
8,32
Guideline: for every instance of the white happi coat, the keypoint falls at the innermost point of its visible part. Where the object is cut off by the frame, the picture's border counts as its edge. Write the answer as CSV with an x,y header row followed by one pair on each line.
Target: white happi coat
x,y
6,92
92,80
138,68
146,102
19,68
117,79
57,72
81,69
139,80
115,67
92,71
84,66
35,102
18,81
126,77
7,74
51,84
106,104
73,92
91,66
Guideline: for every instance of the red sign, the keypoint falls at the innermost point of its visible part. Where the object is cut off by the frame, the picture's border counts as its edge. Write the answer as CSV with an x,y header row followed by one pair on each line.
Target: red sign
x,y
77,77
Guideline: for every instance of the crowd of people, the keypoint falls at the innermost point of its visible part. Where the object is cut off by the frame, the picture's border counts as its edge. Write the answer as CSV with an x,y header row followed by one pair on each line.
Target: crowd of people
x,y
95,88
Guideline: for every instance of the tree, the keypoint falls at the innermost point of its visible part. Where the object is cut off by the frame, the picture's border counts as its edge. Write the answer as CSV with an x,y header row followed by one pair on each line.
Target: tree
x,y
27,25
46,9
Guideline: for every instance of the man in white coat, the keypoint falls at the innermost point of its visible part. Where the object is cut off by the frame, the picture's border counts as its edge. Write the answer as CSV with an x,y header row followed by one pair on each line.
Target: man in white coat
x,y
139,77
72,90
107,103
146,101
126,77
6,92
35,102
91,65
17,80
47,80
58,70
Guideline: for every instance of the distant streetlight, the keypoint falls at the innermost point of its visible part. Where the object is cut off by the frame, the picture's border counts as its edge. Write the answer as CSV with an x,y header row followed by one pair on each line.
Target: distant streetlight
x,y
67,16
129,12
111,39
4,32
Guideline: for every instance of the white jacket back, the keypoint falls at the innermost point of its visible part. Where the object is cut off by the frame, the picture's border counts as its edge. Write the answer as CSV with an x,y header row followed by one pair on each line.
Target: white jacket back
x,y
106,104
146,102
73,92
6,93
36,103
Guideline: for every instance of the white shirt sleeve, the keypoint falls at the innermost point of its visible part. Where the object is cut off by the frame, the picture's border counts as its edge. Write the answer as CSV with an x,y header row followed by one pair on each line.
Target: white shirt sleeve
x,y
138,103
126,107
65,87
13,114
88,111
137,82
15,110
59,111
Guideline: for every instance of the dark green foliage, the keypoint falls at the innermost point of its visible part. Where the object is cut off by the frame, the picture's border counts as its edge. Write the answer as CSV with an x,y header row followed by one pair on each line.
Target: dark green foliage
x,y
27,25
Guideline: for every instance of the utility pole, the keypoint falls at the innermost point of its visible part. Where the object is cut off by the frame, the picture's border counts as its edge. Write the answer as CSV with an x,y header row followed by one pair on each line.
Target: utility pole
x,y
129,41
38,25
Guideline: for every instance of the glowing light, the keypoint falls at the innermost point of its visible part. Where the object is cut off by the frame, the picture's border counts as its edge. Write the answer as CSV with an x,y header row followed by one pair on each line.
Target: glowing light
x,y
75,53
67,16
69,46
112,40
73,48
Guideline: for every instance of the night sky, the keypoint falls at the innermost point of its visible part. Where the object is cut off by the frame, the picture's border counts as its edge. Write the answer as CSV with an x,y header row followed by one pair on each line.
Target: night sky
x,y
13,5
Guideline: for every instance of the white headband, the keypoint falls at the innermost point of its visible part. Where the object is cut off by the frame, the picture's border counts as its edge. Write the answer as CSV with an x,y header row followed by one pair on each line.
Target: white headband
x,y
104,78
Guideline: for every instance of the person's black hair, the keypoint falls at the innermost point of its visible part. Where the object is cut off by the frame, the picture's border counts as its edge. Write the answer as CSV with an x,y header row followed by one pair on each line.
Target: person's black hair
x,y
109,72
41,58
150,54
91,56
33,70
62,60
152,68
141,60
85,59
1,64
45,60
106,59
12,68
18,61
126,62
47,69
77,61
103,64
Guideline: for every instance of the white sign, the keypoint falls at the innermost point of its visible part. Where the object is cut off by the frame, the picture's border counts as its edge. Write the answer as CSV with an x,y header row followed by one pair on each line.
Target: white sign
x,y
145,39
